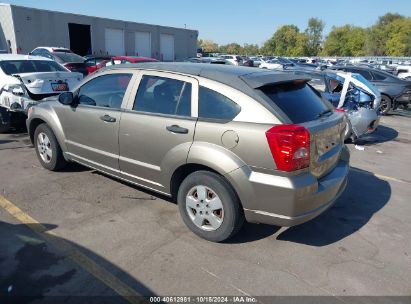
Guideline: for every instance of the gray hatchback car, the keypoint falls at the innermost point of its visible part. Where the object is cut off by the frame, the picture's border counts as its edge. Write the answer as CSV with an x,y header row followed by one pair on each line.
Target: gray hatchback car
x,y
228,143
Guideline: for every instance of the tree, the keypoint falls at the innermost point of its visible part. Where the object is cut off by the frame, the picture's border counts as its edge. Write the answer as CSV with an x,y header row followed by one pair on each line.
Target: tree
x,y
347,40
250,49
231,48
286,41
399,40
314,34
208,46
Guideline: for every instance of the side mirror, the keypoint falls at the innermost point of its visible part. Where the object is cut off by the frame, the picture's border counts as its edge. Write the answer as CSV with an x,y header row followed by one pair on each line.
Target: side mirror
x,y
66,98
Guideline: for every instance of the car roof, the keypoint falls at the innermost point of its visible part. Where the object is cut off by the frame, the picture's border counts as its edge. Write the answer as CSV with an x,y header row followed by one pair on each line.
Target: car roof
x,y
52,48
244,79
234,76
4,57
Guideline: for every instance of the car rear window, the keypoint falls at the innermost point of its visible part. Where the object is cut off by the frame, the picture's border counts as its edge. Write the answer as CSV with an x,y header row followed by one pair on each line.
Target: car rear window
x,y
30,66
297,100
69,57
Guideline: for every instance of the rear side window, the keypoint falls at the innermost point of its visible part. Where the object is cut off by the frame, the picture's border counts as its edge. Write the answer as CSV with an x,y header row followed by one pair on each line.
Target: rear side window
x,y
68,57
365,74
297,100
378,76
163,96
214,105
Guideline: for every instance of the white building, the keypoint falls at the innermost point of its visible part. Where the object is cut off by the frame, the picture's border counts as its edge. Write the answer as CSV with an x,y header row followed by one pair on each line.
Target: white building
x,y
22,29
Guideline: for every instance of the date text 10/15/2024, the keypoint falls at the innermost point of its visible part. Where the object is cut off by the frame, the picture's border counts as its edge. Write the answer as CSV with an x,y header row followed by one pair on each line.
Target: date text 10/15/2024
x,y
203,299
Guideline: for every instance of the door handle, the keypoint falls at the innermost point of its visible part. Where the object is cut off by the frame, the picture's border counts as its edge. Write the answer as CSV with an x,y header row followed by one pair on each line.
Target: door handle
x,y
107,118
177,129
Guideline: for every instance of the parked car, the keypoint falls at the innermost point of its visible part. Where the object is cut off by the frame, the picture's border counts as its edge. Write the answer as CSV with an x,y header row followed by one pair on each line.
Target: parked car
x,y
94,63
64,56
245,61
131,59
404,72
24,80
271,64
352,94
227,144
234,59
395,92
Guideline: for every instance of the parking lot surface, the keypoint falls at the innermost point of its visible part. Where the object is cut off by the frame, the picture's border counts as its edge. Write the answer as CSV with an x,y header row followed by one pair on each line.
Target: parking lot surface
x,y
78,232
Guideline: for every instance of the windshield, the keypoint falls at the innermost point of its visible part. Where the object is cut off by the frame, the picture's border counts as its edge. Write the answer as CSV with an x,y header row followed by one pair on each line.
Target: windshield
x,y
362,79
30,66
68,57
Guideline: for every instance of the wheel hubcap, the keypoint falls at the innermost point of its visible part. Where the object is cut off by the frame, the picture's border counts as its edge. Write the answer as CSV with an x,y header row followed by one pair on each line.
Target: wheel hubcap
x,y
204,208
44,147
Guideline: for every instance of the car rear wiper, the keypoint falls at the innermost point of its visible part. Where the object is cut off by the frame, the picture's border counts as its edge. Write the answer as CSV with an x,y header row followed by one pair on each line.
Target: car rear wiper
x,y
324,113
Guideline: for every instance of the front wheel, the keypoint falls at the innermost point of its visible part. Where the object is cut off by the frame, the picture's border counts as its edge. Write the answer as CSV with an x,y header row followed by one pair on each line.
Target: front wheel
x,y
48,149
209,206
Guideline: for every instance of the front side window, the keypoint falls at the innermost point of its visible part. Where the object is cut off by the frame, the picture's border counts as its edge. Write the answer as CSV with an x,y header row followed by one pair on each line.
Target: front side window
x,y
213,105
104,91
162,95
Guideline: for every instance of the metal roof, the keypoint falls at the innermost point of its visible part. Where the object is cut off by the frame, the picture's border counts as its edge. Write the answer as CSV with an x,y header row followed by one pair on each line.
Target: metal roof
x,y
234,76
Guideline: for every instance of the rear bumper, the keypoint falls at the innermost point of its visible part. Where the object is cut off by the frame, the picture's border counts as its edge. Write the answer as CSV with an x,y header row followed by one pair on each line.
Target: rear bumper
x,y
289,201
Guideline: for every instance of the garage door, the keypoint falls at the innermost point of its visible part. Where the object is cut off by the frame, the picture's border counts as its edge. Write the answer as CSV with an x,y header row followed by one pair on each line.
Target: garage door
x,y
115,42
143,44
167,47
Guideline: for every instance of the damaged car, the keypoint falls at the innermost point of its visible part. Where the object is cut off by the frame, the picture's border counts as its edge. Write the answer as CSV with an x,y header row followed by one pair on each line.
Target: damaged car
x,y
352,94
24,81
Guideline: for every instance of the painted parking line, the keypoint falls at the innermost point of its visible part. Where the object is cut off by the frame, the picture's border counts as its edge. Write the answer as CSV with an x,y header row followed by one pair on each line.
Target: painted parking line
x,y
383,177
122,289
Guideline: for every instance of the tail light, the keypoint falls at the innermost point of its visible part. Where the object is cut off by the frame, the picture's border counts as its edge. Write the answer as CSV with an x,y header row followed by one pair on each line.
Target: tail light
x,y
340,110
290,146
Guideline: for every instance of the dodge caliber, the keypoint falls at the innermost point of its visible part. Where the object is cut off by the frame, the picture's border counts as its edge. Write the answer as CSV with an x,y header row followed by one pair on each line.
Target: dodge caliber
x,y
228,144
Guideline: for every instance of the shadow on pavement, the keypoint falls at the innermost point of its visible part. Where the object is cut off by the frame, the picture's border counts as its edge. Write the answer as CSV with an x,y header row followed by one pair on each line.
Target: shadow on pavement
x,y
364,196
32,268
382,134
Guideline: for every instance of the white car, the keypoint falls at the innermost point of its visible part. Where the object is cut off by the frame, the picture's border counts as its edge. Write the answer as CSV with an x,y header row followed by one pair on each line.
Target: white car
x,y
234,59
25,80
404,72
272,64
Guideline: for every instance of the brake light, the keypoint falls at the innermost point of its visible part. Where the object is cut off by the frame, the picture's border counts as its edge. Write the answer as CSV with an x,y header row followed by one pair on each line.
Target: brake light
x,y
290,147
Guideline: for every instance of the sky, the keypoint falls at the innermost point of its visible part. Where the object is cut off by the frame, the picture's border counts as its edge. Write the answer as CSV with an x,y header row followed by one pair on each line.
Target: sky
x,y
226,21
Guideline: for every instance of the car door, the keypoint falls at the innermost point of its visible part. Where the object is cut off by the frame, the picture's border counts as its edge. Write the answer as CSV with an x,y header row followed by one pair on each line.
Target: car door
x,y
91,128
157,129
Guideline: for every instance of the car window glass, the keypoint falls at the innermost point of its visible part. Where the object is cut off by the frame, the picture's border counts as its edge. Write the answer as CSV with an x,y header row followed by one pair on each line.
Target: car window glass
x,y
30,66
297,100
364,73
104,91
163,96
378,76
90,62
214,105
318,84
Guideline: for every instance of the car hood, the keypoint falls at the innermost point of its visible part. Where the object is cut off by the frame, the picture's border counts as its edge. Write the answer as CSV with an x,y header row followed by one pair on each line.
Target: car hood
x,y
41,83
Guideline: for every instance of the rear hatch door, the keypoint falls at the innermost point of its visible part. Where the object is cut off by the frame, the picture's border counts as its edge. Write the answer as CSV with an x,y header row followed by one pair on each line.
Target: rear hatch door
x,y
50,82
298,103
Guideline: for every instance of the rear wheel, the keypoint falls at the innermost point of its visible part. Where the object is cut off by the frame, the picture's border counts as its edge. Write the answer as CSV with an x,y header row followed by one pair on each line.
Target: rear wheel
x,y
209,206
386,104
48,149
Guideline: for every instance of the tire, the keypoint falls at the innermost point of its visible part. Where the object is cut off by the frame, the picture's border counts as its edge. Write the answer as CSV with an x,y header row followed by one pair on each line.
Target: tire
x,y
223,222
386,104
45,142
5,123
